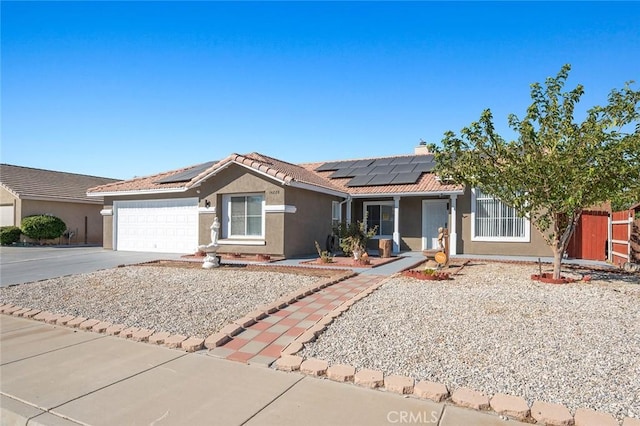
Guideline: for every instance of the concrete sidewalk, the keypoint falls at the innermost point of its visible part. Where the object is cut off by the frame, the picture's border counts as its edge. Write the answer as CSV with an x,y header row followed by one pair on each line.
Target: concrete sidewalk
x,y
55,375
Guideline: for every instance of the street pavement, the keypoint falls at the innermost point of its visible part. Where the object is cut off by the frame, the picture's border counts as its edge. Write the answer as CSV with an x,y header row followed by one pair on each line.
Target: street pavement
x,y
27,264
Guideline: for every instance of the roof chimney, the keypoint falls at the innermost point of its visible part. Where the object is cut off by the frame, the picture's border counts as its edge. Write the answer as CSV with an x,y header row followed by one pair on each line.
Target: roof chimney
x,y
422,148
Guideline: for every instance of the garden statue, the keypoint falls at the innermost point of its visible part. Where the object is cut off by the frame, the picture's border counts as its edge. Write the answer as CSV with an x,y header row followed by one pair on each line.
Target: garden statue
x,y
441,238
211,260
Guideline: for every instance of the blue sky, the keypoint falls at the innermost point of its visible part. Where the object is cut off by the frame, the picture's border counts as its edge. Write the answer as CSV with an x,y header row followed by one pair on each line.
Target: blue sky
x,y
123,89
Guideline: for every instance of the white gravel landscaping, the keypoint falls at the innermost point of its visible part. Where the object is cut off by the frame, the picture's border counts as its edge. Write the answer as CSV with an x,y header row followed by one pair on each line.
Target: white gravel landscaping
x,y
494,330
189,301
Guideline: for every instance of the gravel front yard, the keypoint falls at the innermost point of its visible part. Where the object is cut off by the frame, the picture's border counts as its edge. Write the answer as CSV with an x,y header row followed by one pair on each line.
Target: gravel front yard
x,y
490,328
189,301
493,329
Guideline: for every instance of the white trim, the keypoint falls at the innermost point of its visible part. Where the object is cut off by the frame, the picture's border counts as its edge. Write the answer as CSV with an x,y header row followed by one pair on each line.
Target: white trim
x,y
281,208
408,194
396,224
226,218
378,203
106,212
621,222
527,228
137,192
206,210
453,235
310,187
615,253
234,242
620,242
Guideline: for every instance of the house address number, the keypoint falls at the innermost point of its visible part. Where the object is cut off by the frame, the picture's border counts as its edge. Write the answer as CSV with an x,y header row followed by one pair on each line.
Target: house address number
x,y
274,192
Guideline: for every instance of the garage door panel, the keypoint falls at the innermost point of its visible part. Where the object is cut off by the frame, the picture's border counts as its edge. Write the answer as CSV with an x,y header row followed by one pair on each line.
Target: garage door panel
x,y
169,226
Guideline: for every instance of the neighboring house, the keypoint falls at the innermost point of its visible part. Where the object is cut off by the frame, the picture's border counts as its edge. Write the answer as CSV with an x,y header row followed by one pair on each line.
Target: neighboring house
x,y
26,191
269,206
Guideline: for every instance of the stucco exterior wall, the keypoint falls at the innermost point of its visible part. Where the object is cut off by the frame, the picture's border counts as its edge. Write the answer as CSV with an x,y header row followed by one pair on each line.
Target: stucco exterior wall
x,y
83,219
311,222
535,247
239,180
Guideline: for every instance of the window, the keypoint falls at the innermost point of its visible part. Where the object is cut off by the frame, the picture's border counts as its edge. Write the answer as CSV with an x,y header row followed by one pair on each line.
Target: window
x,y
380,214
244,215
492,220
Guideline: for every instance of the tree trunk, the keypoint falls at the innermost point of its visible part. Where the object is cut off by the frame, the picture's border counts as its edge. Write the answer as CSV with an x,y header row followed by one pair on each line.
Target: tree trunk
x,y
558,251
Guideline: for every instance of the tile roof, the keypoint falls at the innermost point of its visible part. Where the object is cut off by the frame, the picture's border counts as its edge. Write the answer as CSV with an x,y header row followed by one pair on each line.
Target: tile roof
x,y
145,183
427,183
31,183
288,173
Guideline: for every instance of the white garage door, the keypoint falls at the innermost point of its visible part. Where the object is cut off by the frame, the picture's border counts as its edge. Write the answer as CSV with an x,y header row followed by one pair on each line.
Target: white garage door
x,y
165,226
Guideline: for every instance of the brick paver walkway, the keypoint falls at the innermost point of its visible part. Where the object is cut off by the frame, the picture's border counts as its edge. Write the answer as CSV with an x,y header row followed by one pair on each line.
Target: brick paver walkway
x,y
262,342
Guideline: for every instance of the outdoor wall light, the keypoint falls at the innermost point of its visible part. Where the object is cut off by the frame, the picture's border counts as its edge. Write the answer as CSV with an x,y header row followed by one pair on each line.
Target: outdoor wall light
x,y
207,203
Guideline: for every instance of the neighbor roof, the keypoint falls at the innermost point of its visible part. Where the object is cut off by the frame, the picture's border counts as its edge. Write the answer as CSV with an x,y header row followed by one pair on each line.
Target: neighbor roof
x,y
310,176
39,184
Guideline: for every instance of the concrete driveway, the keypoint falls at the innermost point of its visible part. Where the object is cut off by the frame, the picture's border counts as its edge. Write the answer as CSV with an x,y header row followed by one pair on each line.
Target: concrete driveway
x,y
27,264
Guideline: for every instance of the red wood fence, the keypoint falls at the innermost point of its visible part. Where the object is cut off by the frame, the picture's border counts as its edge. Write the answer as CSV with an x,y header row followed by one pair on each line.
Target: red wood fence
x,y
621,229
589,240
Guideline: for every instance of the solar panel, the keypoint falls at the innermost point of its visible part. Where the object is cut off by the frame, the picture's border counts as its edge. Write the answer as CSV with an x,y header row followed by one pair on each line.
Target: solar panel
x,y
422,159
402,160
401,178
362,171
344,164
360,180
381,179
187,175
342,173
424,167
382,162
381,170
362,163
404,168
328,166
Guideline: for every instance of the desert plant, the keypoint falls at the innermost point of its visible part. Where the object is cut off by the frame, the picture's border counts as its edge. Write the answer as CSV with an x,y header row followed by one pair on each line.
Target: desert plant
x,y
9,235
43,227
354,236
325,256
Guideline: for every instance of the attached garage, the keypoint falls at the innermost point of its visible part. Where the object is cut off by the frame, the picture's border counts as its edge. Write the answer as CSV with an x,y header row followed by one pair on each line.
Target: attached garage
x,y
163,226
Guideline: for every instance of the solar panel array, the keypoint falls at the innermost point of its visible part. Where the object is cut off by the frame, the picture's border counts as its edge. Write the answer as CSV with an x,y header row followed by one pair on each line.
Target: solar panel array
x,y
380,171
187,175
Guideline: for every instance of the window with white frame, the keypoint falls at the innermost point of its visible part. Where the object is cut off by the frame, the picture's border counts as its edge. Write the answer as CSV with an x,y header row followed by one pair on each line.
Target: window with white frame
x,y
380,214
492,220
335,213
244,215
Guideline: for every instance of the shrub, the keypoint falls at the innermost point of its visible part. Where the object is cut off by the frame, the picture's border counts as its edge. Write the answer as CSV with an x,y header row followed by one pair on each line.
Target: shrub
x,y
43,227
9,235
354,236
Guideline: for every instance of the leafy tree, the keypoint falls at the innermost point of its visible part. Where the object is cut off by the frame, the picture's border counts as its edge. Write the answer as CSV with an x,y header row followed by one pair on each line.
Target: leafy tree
x,y
42,227
557,167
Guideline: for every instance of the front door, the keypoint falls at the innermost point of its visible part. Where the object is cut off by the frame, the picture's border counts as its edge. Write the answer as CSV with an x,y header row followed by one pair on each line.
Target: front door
x,y
435,214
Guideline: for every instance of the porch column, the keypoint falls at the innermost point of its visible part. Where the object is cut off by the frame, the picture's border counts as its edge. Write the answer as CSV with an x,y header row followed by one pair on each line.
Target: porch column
x,y
396,224
349,210
453,236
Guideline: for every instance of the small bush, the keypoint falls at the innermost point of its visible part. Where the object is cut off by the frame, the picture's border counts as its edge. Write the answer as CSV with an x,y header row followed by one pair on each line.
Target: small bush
x,y
43,227
9,235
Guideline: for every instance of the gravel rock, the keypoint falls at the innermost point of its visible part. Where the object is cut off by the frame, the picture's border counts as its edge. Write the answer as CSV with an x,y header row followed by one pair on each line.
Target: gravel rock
x,y
495,330
192,302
